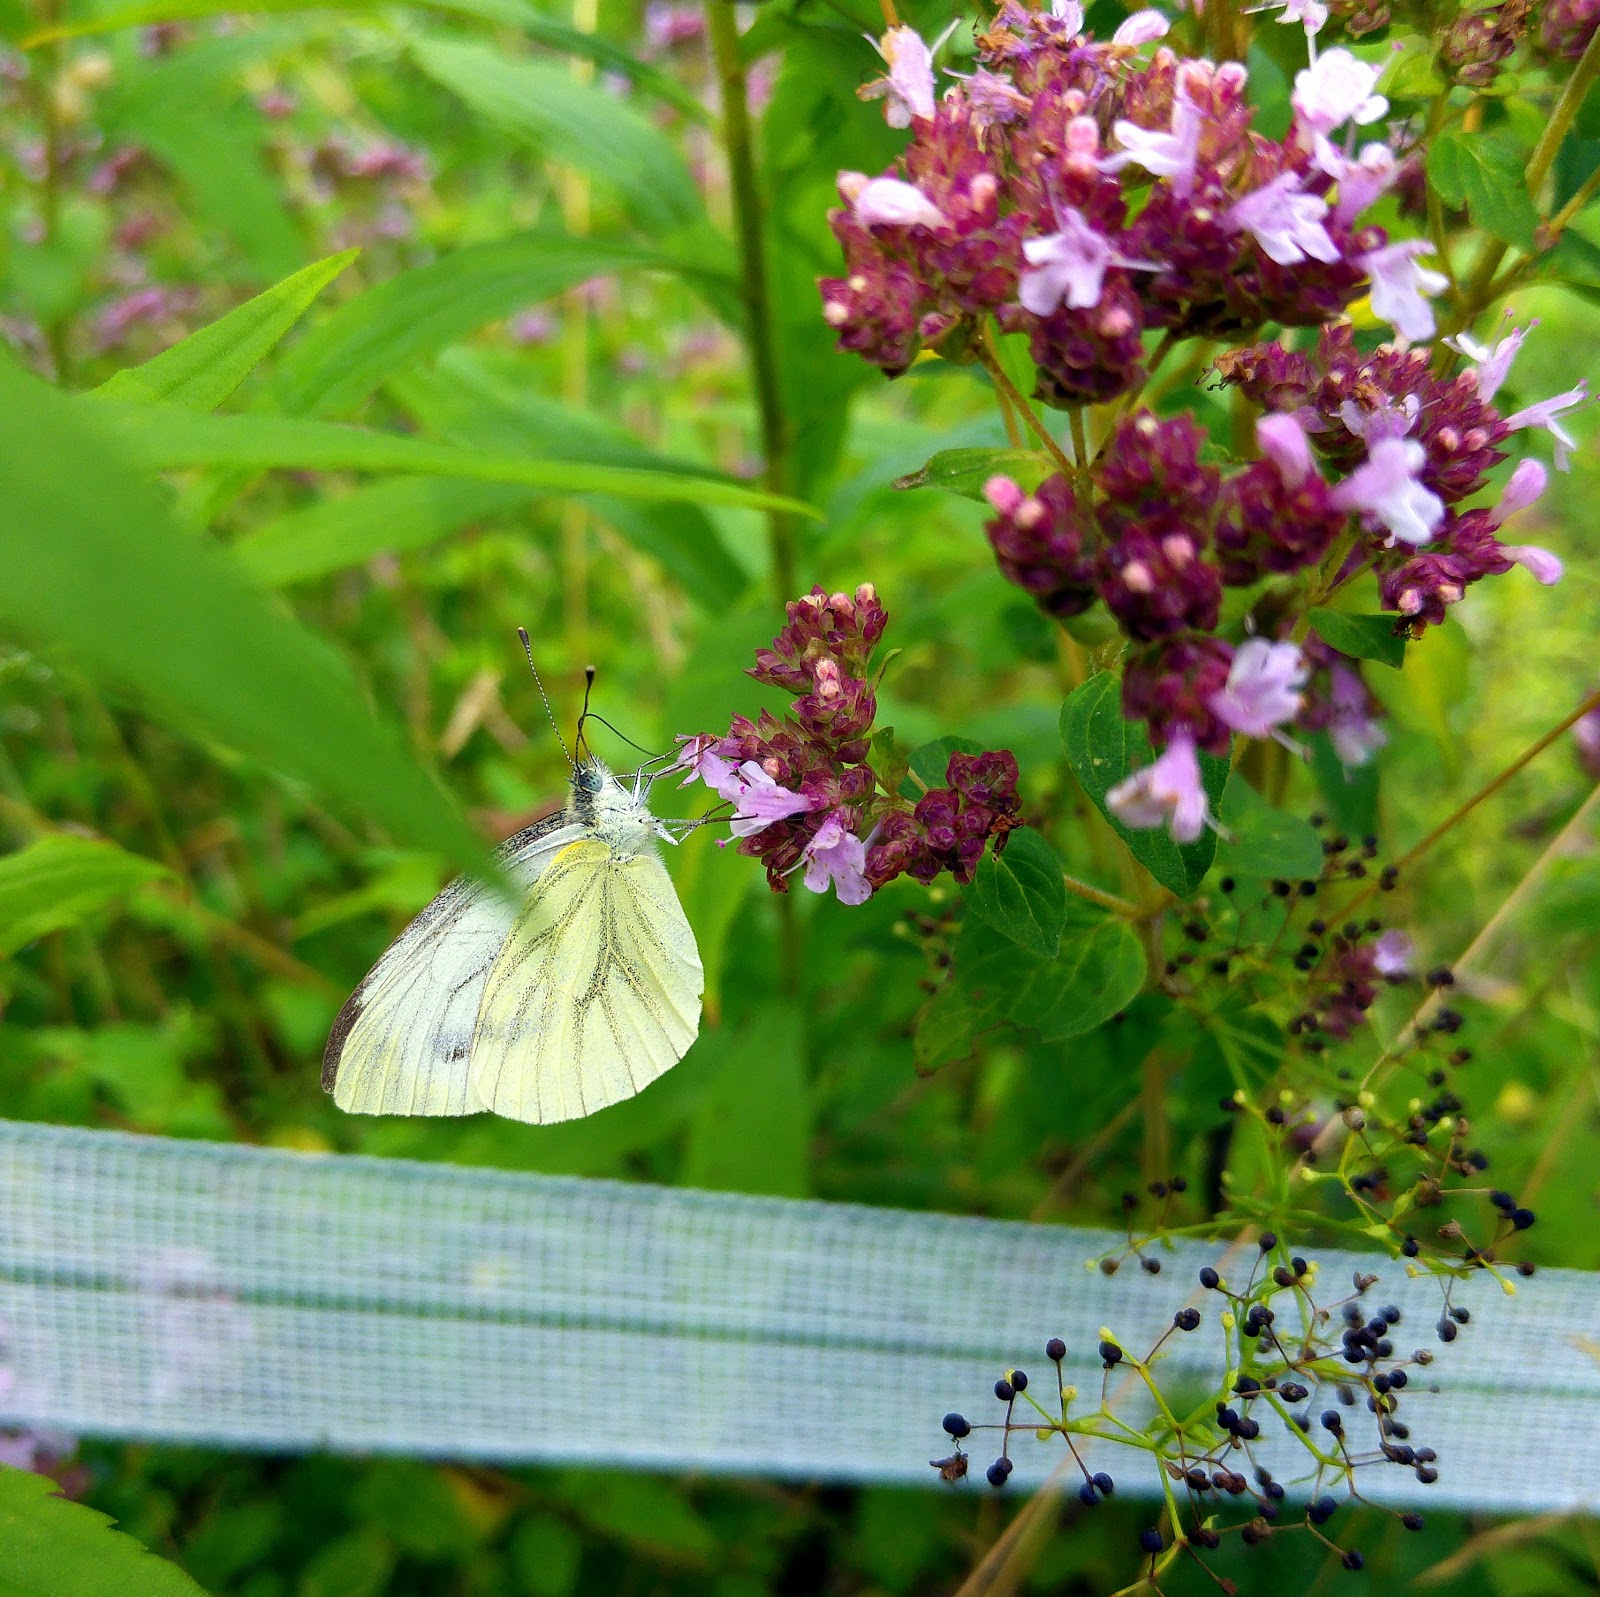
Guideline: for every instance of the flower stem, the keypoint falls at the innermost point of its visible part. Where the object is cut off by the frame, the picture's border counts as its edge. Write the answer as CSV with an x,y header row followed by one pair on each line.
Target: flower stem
x,y
1487,791
997,374
760,340
1096,895
1539,163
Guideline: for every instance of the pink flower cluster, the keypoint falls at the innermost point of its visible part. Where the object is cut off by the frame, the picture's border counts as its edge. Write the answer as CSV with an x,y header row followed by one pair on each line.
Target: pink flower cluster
x,y
1414,446
1081,192
805,796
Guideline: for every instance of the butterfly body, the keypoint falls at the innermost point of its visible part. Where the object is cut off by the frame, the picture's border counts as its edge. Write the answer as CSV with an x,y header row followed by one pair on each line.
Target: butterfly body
x,y
579,998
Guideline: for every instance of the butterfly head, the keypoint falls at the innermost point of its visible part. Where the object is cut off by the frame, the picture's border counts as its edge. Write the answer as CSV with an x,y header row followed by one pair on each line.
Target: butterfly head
x,y
619,815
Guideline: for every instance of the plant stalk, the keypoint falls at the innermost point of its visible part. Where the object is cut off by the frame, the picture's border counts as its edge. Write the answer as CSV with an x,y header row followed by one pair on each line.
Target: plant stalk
x,y
760,342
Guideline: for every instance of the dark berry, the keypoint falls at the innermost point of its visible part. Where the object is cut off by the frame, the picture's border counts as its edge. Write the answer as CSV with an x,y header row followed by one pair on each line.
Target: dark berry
x,y
1151,1540
998,1471
1111,1353
1087,1495
1055,1350
1411,1521
1186,1319
1209,1278
1352,1558
1105,1483
1004,1390
957,1425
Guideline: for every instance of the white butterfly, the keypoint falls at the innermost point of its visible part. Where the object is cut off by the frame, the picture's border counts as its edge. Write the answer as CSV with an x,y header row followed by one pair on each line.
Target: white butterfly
x,y
578,1001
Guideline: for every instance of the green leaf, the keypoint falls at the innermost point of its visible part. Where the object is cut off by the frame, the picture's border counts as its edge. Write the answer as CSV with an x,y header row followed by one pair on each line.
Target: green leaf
x,y
60,880
334,533
466,405
416,314
1412,72
1098,971
1265,842
574,122
965,471
1019,892
928,764
1361,637
1482,172
165,438
201,371
55,1548
752,1129
96,566
1351,796
226,178
1102,749
540,28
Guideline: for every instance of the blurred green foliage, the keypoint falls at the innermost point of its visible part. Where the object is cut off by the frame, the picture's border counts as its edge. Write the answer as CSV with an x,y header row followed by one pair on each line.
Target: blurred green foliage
x,y
252,717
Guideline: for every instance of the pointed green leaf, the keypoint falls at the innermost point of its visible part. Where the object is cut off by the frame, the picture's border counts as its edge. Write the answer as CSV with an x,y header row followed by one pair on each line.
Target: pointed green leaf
x,y
96,566
574,122
965,471
1098,971
1102,749
1484,173
56,1548
536,25
1264,842
60,880
165,438
1361,637
1020,892
409,317
201,371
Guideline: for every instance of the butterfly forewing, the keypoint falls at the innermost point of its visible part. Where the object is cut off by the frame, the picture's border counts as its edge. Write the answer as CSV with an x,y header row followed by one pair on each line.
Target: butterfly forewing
x,y
595,993
400,1045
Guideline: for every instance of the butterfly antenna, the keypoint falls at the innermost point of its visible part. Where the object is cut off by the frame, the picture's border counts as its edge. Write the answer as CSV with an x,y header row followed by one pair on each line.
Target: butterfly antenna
x,y
527,649
581,742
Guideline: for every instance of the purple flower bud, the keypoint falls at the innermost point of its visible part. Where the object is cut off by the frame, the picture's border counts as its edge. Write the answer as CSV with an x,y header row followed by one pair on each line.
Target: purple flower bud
x,y
1154,579
1038,540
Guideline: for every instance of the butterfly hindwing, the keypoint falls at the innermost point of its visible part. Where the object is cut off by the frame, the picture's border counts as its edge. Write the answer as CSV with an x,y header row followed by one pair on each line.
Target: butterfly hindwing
x,y
400,1045
594,994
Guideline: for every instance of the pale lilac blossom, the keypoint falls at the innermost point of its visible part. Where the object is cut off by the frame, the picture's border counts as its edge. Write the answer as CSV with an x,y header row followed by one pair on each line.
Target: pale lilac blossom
x,y
835,854
888,202
1399,285
1169,793
1352,730
758,800
1143,27
1393,954
1337,88
1285,222
1263,690
1283,441
1545,415
1524,487
699,759
1171,155
1362,181
1069,12
908,84
1069,266
1492,362
1386,489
